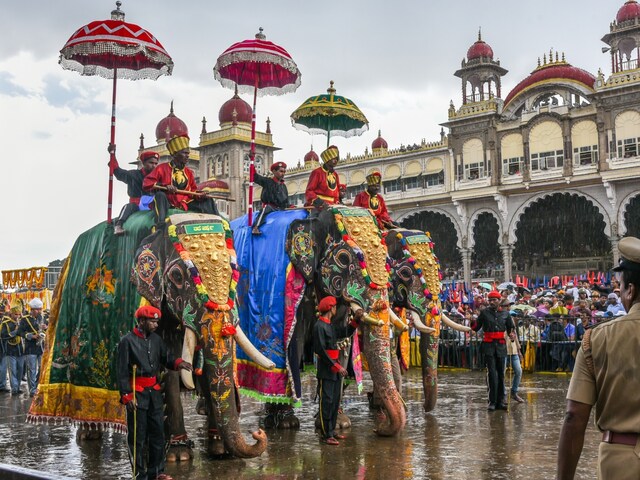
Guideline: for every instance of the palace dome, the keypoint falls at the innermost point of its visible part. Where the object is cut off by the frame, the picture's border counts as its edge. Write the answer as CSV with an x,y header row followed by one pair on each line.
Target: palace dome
x,y
311,156
170,126
480,49
379,142
214,185
629,11
241,108
554,71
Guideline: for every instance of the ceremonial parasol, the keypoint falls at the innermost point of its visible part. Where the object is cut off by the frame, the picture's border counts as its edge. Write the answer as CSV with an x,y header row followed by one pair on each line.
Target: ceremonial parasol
x,y
260,67
115,49
330,114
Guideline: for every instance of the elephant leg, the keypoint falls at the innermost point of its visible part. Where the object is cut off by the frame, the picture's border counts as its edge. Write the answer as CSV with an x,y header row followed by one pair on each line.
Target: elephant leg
x,y
429,355
180,447
281,417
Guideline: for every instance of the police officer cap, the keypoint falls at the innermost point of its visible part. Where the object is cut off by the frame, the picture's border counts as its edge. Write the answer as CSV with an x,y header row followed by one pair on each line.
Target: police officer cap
x,y
148,311
629,248
35,303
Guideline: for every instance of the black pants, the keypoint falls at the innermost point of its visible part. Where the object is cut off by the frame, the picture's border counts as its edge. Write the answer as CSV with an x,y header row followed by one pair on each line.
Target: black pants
x,y
329,392
208,205
495,374
149,426
126,212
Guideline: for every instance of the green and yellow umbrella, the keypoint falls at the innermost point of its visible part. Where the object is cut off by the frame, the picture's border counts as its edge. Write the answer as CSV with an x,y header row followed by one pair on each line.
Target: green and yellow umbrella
x,y
330,114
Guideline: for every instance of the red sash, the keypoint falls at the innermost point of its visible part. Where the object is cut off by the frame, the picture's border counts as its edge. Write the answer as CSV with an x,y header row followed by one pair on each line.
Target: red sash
x,y
145,382
333,354
491,336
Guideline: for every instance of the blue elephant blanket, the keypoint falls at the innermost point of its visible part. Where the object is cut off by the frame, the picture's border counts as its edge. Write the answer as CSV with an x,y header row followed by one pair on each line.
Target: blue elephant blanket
x,y
268,295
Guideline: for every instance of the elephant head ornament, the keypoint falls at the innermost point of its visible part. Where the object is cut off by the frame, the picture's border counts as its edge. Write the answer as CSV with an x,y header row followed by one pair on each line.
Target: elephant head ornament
x,y
415,286
344,255
190,267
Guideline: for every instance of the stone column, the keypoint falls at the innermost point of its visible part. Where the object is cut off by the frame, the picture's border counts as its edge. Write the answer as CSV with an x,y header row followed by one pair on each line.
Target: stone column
x,y
507,251
615,239
466,265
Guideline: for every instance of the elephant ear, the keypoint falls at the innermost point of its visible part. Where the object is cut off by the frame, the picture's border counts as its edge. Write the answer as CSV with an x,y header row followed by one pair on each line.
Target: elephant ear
x,y
147,272
302,248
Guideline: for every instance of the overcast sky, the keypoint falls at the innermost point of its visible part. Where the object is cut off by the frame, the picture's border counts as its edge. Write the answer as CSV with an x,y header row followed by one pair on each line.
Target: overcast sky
x,y
395,60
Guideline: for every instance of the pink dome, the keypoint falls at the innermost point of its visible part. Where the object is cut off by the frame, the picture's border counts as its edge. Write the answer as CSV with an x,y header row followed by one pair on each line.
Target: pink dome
x,y
242,109
379,142
480,49
170,126
311,157
628,11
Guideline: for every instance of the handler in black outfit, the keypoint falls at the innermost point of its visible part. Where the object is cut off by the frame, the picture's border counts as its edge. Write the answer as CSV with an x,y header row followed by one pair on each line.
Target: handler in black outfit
x,y
148,352
325,336
274,196
494,322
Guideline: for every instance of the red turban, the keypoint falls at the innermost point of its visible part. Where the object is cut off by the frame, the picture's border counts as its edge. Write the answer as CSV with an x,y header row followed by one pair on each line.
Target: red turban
x,y
148,311
278,165
144,156
326,303
494,294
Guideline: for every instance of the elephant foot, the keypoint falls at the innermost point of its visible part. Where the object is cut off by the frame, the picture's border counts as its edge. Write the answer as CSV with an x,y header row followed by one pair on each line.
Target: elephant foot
x,y
281,417
201,406
180,449
85,434
215,447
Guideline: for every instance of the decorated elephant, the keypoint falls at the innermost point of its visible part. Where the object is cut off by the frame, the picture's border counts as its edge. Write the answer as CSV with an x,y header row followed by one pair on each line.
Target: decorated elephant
x,y
415,286
286,270
188,270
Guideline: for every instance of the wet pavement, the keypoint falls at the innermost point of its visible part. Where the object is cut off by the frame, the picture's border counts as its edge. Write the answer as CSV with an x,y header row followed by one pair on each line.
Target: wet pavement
x,y
458,440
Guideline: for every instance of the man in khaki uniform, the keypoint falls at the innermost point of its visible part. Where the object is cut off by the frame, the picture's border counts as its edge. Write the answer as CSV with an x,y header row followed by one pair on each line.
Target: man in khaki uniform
x,y
606,375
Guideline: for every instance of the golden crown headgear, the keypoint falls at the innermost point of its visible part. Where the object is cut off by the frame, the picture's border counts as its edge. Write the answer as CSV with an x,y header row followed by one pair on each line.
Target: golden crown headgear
x,y
330,153
177,143
374,178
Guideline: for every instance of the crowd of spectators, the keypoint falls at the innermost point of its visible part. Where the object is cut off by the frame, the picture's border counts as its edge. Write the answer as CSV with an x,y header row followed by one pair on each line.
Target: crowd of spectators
x,y
550,323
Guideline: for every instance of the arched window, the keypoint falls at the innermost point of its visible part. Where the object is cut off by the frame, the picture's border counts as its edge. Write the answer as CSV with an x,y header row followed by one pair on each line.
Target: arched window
x,y
628,134
546,146
512,152
584,139
218,165
473,159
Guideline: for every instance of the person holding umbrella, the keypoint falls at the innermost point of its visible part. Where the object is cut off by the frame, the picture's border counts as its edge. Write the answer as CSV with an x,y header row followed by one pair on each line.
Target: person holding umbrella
x,y
372,200
323,187
174,183
274,196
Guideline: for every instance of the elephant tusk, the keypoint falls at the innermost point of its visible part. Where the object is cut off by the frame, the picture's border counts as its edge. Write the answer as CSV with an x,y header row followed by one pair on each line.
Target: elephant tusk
x,y
366,318
251,351
397,322
188,349
419,324
456,326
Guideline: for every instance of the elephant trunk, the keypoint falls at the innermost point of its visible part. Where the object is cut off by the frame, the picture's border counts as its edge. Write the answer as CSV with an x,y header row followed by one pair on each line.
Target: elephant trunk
x,y
377,350
224,401
429,355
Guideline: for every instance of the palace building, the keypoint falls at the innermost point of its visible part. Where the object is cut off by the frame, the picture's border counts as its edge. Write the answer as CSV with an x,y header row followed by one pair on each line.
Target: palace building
x,y
539,180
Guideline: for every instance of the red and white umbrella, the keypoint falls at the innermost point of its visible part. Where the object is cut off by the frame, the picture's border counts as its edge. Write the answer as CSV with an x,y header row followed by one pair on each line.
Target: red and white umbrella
x,y
260,67
115,49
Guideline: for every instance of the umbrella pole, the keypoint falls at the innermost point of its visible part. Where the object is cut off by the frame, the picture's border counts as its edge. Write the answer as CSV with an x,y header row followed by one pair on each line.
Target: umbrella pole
x,y
252,156
113,142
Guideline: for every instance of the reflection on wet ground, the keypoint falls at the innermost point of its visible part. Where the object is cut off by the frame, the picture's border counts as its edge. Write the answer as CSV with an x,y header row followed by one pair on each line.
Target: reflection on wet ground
x,y
458,440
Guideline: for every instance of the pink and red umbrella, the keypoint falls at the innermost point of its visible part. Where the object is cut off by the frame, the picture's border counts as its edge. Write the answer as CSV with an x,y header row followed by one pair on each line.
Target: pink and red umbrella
x,y
115,49
260,67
